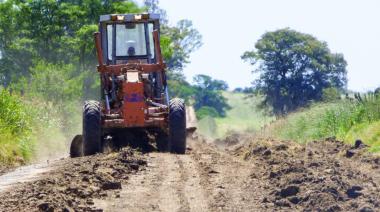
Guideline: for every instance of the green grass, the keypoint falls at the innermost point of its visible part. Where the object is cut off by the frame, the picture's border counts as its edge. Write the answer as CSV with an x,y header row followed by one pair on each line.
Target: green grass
x,y
15,129
370,133
244,116
347,120
35,129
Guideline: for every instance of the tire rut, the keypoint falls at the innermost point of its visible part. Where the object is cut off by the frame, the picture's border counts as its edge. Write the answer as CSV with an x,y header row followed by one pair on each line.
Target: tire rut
x,y
167,184
192,189
225,179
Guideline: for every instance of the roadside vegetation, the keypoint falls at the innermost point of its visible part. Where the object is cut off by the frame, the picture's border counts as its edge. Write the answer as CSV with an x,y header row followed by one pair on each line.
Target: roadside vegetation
x,y
347,120
15,129
243,116
30,129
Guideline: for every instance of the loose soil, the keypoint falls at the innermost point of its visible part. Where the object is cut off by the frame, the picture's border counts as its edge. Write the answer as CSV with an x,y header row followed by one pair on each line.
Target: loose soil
x,y
73,183
319,176
239,173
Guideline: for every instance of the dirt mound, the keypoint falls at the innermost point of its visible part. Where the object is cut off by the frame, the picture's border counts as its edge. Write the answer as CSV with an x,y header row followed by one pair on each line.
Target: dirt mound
x,y
74,185
321,175
233,140
229,140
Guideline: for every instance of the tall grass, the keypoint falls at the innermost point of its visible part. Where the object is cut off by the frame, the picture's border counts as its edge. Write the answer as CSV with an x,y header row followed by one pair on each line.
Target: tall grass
x,y
35,129
53,127
15,129
337,119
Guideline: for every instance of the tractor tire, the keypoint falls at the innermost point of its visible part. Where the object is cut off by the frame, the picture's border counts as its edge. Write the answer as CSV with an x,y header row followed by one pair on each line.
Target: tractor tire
x,y
162,142
177,126
92,131
76,147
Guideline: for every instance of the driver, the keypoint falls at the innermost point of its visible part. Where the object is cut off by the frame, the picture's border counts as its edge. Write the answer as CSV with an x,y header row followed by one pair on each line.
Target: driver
x,y
131,45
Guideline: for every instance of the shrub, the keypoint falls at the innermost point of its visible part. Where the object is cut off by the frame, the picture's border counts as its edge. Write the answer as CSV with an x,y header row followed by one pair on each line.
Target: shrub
x,y
330,94
206,111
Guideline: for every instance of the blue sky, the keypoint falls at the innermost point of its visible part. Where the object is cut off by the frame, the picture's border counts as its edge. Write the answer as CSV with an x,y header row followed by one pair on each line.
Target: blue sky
x,y
229,28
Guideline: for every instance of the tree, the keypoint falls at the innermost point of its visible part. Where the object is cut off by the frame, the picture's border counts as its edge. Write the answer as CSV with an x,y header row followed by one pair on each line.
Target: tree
x,y
55,32
207,83
177,42
152,7
208,94
185,39
294,68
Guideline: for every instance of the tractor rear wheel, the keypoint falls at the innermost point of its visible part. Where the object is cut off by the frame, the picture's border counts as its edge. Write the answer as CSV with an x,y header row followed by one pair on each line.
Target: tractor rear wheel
x,y
91,128
177,126
76,147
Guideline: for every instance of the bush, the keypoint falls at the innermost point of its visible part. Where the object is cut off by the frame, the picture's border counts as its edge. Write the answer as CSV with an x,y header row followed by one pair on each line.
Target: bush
x,y
330,94
206,111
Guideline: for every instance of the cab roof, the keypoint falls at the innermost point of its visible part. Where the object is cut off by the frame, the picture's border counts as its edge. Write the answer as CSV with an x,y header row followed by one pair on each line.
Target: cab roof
x,y
130,17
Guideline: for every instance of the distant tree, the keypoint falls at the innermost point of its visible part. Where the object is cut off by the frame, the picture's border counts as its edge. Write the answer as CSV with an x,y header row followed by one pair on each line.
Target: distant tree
x,y
208,92
207,83
238,90
294,69
377,91
246,90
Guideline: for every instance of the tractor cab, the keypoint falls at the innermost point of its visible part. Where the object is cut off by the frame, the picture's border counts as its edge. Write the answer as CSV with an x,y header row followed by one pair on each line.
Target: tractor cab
x,y
129,38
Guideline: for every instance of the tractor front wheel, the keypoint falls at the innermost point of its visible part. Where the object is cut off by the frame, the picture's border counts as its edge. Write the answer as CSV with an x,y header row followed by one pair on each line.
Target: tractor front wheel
x,y
177,126
162,141
91,128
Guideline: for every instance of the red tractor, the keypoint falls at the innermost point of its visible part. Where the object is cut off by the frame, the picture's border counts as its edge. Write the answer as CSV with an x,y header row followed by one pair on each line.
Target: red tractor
x,y
134,102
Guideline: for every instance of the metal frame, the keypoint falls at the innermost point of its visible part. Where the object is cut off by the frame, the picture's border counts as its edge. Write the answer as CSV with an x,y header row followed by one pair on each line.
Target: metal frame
x,y
156,105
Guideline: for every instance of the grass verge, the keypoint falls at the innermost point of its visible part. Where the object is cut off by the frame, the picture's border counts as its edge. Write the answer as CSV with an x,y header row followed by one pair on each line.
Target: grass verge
x,y
33,129
347,120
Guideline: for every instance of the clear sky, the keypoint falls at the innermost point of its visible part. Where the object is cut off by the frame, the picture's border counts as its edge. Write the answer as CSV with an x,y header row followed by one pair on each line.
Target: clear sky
x,y
229,28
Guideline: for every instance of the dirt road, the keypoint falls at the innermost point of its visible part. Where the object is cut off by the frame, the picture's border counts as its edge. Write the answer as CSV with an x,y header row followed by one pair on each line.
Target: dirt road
x,y
205,179
259,175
